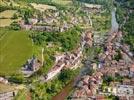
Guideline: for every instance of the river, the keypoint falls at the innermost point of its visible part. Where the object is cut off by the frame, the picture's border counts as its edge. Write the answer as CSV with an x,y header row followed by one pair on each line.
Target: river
x,y
62,95
64,92
114,24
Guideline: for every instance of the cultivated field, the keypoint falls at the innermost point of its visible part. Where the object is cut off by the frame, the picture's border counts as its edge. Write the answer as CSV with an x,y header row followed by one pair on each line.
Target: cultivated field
x,y
5,17
42,7
5,22
6,88
7,13
15,49
62,2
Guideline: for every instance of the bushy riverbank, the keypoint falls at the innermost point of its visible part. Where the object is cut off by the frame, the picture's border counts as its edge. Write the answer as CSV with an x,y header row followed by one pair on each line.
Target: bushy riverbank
x,y
47,90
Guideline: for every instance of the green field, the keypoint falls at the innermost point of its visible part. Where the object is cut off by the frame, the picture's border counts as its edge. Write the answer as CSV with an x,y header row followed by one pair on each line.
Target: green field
x,y
15,49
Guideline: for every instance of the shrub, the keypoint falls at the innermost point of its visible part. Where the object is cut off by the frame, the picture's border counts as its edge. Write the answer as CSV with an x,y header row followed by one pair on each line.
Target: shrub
x,y
15,26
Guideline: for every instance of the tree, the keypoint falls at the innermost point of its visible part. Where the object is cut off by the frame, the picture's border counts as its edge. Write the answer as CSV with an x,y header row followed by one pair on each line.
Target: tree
x,y
27,13
108,79
16,79
118,56
113,97
26,19
15,26
65,76
68,40
128,29
15,16
39,39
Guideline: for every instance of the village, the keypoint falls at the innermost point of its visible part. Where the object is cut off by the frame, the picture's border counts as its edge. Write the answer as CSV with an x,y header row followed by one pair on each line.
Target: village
x,y
60,21
93,86
70,60
110,74
65,61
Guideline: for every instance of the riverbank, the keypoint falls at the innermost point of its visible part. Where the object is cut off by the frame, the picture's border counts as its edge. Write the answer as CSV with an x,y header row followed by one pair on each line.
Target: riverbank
x,y
65,91
68,88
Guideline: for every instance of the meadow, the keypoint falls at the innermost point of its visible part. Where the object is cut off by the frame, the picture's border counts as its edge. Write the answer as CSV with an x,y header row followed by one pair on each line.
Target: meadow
x,y
15,49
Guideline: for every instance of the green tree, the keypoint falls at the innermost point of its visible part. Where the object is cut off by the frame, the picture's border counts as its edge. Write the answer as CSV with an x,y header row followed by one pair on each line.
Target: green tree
x,y
15,26
65,76
15,16
128,29
16,79
118,56
108,79
113,97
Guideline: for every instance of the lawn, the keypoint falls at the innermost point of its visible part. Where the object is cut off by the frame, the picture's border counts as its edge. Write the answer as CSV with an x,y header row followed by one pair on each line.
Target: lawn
x,y
15,49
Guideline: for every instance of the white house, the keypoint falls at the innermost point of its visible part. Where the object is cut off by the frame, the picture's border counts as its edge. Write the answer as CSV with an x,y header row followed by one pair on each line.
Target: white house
x,y
123,90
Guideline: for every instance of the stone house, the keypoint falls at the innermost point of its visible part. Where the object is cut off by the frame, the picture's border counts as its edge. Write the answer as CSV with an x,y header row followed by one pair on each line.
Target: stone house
x,y
32,65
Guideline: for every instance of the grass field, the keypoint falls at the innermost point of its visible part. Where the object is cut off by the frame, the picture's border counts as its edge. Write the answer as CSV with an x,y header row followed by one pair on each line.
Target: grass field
x,y
15,49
